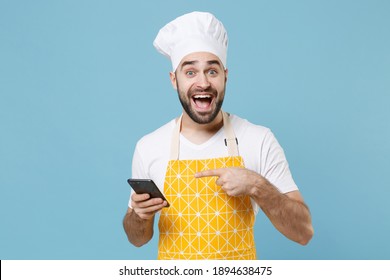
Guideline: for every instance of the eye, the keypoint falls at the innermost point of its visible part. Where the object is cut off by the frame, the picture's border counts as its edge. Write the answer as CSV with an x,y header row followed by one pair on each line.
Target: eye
x,y
212,72
190,73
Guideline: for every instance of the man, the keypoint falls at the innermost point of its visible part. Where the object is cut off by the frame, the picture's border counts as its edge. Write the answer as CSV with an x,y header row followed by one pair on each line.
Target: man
x,y
215,169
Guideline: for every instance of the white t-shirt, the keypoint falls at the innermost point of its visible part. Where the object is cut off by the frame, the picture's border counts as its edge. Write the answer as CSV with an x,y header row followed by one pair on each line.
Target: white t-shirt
x,y
256,144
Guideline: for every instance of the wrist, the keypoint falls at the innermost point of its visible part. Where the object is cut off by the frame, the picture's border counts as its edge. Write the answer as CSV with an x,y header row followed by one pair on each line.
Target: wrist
x,y
141,218
260,187
256,185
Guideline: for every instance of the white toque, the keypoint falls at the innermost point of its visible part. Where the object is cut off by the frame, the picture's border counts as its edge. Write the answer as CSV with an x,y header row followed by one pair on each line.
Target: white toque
x,y
193,32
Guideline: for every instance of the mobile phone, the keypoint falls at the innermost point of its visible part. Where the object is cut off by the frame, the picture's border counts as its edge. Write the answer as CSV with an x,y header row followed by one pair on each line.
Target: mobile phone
x,y
146,186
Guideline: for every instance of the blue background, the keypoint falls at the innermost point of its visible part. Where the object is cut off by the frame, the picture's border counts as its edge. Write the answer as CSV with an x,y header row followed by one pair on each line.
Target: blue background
x,y
80,83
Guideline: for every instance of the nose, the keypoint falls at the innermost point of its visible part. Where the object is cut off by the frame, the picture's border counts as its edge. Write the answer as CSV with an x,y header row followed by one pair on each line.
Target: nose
x,y
203,81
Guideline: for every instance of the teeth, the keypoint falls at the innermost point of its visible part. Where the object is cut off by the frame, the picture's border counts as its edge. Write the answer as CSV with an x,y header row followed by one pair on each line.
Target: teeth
x,y
202,96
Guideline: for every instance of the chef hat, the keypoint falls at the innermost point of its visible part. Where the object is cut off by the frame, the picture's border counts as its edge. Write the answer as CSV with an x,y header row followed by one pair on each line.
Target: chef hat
x,y
193,32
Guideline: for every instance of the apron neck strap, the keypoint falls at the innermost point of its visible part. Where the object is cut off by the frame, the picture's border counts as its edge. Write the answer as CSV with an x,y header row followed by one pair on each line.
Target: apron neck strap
x,y
230,138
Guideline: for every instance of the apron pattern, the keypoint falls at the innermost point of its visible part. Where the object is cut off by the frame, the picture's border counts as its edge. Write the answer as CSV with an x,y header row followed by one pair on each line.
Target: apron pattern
x,y
203,222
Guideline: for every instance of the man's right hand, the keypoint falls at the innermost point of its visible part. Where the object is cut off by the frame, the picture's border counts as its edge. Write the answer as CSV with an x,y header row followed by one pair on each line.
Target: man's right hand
x,y
146,208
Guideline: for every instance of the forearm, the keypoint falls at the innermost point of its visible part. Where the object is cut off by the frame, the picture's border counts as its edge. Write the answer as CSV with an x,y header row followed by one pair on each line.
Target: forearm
x,y
139,231
290,216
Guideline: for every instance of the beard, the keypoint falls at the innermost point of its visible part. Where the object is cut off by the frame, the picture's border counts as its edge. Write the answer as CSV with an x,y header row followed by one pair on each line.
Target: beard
x,y
200,118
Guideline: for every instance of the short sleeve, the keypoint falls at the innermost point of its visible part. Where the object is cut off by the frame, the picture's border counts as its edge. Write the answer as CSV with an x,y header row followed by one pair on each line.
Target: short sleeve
x,y
137,170
274,165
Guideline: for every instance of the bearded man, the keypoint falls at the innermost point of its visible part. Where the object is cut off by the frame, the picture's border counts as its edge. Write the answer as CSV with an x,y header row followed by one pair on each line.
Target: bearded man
x,y
215,169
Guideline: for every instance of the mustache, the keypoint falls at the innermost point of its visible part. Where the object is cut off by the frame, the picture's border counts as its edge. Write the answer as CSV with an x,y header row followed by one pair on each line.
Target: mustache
x,y
209,90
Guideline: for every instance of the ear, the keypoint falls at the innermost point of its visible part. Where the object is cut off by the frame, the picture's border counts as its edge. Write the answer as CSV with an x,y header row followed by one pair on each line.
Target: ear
x,y
172,76
226,74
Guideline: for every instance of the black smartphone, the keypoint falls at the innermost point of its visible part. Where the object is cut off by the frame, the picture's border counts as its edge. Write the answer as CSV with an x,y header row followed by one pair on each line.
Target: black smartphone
x,y
146,186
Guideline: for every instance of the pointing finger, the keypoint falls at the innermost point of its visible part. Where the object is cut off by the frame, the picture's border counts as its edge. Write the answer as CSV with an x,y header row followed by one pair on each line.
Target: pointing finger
x,y
209,173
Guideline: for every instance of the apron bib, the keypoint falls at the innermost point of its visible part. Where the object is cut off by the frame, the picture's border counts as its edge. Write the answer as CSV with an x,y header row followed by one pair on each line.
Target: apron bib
x,y
203,222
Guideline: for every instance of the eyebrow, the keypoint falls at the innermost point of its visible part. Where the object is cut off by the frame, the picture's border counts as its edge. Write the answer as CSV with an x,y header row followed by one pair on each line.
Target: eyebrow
x,y
192,62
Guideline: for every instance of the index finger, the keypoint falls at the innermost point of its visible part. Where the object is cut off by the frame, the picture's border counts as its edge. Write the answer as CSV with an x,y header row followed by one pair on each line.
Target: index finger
x,y
209,173
140,197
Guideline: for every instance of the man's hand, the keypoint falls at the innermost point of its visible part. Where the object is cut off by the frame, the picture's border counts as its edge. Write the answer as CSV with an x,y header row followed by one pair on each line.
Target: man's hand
x,y
234,181
287,212
146,208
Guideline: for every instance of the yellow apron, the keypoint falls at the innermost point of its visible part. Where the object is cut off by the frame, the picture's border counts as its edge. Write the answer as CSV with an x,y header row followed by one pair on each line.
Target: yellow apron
x,y
203,222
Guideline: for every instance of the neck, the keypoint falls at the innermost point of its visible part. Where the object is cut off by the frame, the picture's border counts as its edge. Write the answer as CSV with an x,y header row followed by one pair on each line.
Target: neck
x,y
200,133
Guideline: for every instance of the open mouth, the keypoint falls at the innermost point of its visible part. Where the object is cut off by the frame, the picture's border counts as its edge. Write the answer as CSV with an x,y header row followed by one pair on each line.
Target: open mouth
x,y
202,101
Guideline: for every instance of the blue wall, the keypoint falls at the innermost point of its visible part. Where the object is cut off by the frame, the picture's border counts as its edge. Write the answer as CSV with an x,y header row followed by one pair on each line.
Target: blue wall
x,y
80,82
